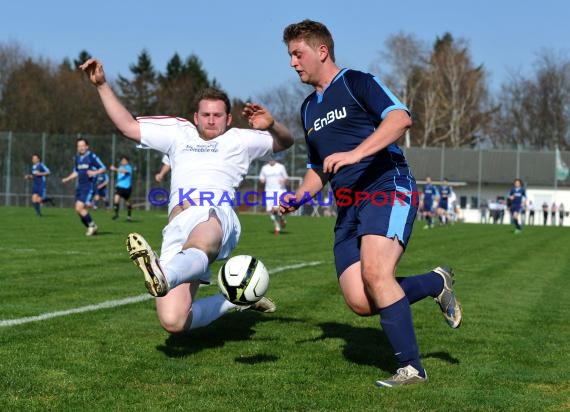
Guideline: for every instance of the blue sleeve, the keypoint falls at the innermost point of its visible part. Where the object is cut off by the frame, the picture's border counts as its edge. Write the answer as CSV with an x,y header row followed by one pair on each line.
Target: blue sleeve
x,y
96,162
372,95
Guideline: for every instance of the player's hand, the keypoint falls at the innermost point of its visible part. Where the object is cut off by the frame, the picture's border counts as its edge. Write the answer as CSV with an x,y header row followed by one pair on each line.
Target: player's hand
x,y
334,162
258,116
288,203
94,70
158,178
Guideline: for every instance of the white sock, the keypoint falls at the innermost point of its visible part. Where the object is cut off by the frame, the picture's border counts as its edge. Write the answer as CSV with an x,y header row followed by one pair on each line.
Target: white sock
x,y
185,266
207,310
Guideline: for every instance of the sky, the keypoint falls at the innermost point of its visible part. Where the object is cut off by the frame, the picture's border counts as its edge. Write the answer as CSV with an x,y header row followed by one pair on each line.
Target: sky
x,y
239,43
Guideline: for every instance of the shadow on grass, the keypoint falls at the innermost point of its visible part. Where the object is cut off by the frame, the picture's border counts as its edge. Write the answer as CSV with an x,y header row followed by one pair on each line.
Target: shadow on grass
x,y
234,327
368,346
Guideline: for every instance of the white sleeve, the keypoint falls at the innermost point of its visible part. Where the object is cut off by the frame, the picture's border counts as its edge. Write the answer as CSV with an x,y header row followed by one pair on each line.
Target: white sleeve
x,y
284,172
259,143
166,160
160,132
262,173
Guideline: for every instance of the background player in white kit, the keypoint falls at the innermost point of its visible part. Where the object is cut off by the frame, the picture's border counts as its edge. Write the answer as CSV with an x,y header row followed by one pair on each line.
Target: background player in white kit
x,y
207,161
274,176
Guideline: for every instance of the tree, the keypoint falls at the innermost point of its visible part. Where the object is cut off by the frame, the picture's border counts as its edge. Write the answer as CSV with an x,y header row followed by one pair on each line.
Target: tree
x,y
404,54
451,98
11,57
535,111
177,88
27,97
139,94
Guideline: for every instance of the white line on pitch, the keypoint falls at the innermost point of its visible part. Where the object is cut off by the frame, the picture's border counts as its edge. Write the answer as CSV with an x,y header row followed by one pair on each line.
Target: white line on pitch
x,y
121,302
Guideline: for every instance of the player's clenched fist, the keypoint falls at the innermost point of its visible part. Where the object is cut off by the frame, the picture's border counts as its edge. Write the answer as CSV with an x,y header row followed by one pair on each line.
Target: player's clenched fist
x,y
94,70
288,203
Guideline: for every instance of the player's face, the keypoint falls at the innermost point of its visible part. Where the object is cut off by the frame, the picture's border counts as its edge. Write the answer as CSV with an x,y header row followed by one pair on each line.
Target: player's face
x,y
35,159
305,60
82,147
211,119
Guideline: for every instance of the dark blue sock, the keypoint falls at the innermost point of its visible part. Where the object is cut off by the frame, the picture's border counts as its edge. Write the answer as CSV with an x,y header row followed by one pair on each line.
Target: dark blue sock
x,y
396,321
86,220
517,224
37,208
421,286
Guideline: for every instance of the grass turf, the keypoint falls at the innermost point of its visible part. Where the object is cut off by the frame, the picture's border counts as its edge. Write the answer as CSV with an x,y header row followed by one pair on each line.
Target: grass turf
x,y
313,354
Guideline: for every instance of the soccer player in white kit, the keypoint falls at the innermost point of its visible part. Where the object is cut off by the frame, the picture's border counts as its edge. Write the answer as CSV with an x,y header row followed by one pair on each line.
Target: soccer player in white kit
x,y
274,176
208,162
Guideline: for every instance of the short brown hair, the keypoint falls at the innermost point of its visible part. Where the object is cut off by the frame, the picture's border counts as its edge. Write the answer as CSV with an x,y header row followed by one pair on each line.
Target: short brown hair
x,y
211,93
312,32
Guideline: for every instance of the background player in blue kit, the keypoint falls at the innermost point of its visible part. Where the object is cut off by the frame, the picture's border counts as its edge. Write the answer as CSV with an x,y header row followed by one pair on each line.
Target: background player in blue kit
x,y
101,188
517,196
429,194
38,178
123,187
445,193
351,123
87,167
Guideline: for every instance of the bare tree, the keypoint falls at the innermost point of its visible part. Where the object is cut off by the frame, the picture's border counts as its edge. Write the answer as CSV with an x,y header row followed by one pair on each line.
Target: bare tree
x,y
535,111
403,54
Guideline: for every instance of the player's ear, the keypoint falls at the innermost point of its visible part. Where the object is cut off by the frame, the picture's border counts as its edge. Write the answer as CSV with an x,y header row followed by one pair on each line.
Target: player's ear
x,y
229,119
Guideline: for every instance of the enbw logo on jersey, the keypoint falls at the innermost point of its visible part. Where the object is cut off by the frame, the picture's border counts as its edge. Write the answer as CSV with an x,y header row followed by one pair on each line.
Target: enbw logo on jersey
x,y
329,118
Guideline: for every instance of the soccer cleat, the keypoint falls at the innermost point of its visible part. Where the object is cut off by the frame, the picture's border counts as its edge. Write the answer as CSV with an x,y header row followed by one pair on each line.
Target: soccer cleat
x,y
146,259
404,376
449,305
91,230
264,305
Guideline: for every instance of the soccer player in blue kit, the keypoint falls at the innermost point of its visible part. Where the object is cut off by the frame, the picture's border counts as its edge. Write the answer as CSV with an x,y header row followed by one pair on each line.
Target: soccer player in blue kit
x,y
351,123
87,167
443,205
38,178
517,195
123,187
429,194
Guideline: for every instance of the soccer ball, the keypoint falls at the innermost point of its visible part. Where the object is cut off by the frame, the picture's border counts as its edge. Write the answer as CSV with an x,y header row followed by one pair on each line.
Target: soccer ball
x,y
243,279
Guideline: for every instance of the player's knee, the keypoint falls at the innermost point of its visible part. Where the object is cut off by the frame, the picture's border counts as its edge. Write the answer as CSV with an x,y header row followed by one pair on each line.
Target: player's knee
x,y
360,307
173,322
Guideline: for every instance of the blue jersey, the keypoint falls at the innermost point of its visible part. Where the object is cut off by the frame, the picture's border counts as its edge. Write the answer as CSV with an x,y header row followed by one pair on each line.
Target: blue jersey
x,y
39,182
445,192
101,180
89,161
125,176
517,195
429,193
341,117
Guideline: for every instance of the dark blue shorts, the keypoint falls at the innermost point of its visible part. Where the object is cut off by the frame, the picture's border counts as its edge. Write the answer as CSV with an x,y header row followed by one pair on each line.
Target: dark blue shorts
x,y
84,194
443,204
516,209
39,190
390,211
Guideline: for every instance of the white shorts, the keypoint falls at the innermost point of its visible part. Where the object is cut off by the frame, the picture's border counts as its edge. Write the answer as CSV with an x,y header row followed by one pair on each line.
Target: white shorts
x,y
271,199
175,234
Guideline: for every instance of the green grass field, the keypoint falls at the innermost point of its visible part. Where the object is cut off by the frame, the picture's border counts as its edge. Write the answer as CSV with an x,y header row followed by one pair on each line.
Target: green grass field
x,y
313,354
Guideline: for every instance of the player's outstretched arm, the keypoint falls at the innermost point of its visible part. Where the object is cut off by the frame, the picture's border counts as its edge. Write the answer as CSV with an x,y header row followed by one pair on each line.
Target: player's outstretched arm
x,y
118,113
313,182
261,119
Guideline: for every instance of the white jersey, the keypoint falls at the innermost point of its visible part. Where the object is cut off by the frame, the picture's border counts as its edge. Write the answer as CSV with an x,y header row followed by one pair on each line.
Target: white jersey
x,y
208,170
275,176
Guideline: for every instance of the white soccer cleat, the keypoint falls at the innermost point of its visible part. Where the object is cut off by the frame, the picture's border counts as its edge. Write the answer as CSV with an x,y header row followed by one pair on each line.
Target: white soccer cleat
x,y
264,305
91,230
146,259
449,305
404,376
